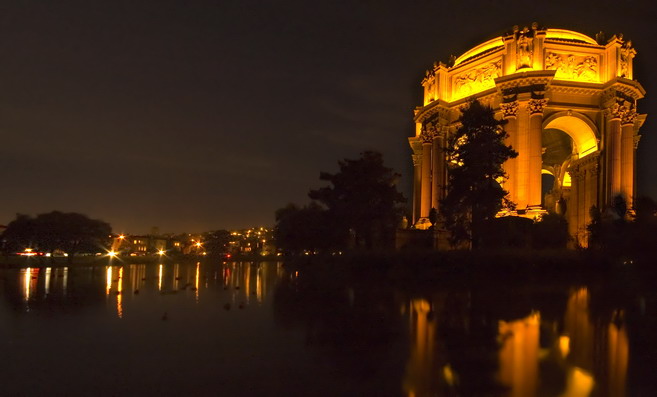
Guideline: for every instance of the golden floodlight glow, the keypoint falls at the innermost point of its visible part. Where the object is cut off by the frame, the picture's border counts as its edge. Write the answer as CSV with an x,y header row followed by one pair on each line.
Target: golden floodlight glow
x,y
568,35
581,133
564,345
490,44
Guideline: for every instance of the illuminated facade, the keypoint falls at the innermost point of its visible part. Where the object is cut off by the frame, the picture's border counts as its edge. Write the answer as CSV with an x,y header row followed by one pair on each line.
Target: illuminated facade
x,y
570,105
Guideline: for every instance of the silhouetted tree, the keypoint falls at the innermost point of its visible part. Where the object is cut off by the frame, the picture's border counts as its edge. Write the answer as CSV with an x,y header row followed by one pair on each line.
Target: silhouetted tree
x,y
476,152
307,228
216,241
363,199
550,232
68,232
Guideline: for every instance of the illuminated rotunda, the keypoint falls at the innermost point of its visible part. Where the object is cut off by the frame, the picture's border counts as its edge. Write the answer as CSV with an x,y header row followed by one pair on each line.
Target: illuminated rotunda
x,y
570,102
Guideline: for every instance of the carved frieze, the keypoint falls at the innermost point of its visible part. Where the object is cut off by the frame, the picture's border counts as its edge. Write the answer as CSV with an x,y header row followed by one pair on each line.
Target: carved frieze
x,y
536,106
509,109
477,79
572,66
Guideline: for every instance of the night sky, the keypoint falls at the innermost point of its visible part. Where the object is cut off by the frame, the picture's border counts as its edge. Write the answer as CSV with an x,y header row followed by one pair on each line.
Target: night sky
x,y
201,115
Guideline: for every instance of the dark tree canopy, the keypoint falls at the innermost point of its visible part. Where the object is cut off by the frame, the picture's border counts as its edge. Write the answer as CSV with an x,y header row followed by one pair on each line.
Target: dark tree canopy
x,y
305,228
360,207
216,241
68,232
363,199
476,151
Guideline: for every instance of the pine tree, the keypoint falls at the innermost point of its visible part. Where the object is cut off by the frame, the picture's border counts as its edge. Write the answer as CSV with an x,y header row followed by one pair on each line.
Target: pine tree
x,y
476,152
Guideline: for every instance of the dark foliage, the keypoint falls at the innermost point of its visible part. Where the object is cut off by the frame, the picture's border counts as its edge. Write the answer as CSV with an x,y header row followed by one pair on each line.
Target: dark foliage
x,y
68,232
477,152
363,199
307,228
216,241
620,234
360,207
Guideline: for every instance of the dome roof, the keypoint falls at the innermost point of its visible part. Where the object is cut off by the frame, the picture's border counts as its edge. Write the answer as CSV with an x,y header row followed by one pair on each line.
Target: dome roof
x,y
498,42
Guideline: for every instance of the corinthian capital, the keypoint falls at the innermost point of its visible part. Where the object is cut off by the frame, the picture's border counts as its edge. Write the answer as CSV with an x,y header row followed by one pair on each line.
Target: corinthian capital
x,y
429,132
417,160
617,111
536,106
509,109
628,117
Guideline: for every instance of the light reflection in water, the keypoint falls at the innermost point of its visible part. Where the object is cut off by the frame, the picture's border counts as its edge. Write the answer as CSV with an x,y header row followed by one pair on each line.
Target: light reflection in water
x,y
119,294
422,368
196,280
259,284
519,355
65,280
159,277
27,281
108,281
47,280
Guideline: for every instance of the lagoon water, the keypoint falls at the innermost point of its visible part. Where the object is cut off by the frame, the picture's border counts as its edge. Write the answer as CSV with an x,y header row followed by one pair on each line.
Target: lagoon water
x,y
261,329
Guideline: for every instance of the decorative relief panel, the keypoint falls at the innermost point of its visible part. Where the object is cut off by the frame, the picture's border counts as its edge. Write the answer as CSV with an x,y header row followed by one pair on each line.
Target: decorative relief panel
x,y
573,66
477,79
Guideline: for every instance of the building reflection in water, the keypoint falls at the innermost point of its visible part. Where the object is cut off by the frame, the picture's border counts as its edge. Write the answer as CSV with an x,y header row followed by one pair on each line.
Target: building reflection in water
x,y
426,370
519,354
574,355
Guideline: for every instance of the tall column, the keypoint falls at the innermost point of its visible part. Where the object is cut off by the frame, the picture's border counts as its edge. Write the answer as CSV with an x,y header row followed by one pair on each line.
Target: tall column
x,y
582,211
417,185
510,112
573,208
522,161
591,189
425,204
614,151
627,156
535,108
437,182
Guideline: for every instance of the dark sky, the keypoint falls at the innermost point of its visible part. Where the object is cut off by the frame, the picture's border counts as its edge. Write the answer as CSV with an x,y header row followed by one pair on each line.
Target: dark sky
x,y
201,115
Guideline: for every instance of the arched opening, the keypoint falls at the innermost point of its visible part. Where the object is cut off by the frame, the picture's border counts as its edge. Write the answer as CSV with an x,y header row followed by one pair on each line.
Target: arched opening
x,y
567,137
557,149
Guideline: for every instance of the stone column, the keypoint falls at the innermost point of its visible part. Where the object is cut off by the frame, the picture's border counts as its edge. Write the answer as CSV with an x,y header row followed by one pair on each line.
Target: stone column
x,y
510,112
535,108
614,151
591,188
437,170
417,185
425,204
521,184
573,207
581,202
627,157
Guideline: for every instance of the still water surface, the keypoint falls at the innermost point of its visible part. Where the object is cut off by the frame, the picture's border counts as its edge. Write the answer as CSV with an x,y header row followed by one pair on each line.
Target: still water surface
x,y
258,329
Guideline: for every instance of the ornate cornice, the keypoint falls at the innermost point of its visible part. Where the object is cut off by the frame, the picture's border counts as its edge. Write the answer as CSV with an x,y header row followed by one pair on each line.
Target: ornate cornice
x,y
436,107
536,106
